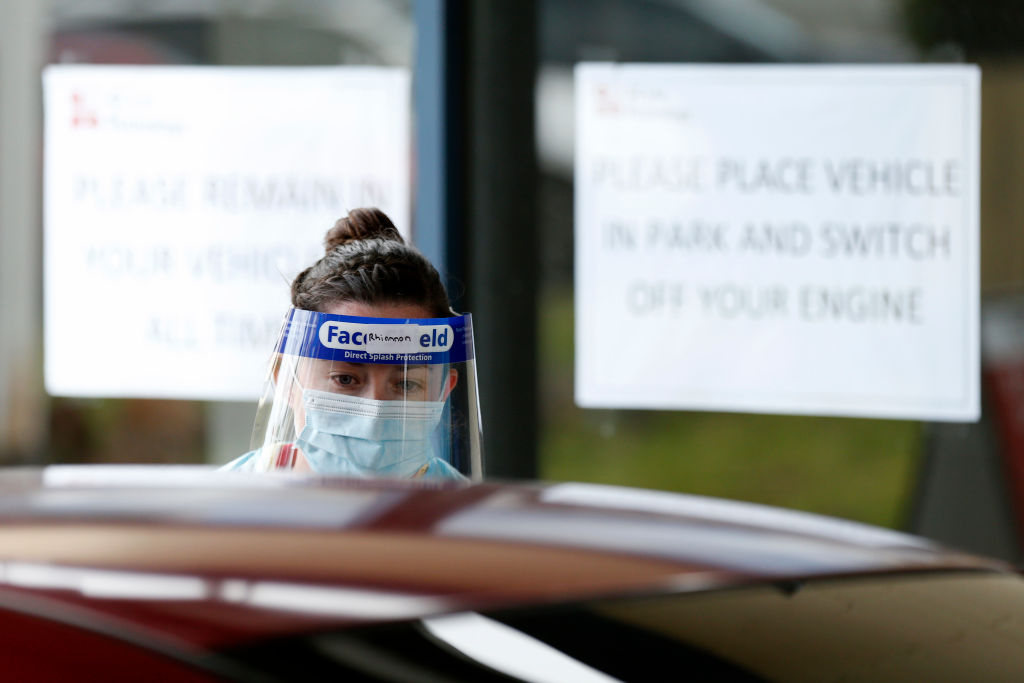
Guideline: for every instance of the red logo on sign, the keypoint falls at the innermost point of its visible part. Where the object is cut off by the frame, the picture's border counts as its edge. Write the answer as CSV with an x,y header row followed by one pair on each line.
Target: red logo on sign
x,y
607,103
81,115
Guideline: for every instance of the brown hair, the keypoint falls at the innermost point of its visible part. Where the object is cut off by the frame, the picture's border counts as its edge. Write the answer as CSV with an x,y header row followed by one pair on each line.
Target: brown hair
x,y
367,261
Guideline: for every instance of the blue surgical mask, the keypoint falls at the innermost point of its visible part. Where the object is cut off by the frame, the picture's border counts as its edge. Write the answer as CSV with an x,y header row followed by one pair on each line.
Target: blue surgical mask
x,y
365,437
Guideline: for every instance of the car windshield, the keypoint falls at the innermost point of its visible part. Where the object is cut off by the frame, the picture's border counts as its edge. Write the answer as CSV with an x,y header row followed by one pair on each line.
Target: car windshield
x,y
928,626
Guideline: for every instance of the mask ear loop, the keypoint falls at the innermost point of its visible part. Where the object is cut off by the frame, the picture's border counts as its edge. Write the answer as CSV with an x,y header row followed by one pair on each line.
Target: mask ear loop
x,y
443,384
442,441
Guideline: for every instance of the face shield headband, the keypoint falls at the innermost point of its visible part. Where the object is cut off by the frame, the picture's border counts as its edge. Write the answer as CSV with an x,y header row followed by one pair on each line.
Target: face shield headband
x,y
385,341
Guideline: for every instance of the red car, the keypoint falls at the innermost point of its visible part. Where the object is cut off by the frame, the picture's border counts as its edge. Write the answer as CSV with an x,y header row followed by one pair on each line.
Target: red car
x,y
153,573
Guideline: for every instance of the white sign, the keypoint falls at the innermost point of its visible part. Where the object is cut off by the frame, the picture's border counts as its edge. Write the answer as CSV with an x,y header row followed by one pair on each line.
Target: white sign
x,y
782,239
181,201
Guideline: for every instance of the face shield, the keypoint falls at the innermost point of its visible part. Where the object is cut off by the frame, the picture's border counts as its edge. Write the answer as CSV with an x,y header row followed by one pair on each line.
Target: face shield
x,y
371,397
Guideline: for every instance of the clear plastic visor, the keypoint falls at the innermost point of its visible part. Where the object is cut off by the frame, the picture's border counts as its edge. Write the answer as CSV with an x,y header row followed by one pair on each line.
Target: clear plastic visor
x,y
371,397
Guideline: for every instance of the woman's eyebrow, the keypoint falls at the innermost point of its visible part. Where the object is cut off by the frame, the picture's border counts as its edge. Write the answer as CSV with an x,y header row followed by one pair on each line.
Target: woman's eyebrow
x,y
346,364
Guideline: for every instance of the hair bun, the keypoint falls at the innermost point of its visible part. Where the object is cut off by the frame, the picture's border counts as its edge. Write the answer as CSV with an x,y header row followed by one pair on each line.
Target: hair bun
x,y
362,224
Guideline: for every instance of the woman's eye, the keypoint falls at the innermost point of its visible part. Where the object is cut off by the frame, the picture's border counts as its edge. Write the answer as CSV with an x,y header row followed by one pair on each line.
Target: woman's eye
x,y
408,386
343,380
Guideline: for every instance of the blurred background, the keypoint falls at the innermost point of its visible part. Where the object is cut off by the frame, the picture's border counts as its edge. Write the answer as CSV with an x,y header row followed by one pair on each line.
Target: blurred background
x,y
959,483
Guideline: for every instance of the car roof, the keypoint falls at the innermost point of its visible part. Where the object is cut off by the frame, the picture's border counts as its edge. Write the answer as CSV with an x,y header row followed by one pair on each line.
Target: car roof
x,y
215,558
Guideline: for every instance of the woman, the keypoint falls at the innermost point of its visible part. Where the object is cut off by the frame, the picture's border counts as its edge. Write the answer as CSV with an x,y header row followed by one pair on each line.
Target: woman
x,y
373,374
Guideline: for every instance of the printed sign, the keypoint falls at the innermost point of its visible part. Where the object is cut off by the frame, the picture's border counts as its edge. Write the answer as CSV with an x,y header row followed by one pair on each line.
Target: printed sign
x,y
180,202
781,239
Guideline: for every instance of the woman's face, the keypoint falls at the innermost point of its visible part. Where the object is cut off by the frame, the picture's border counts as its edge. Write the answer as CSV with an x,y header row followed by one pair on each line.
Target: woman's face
x,y
370,380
